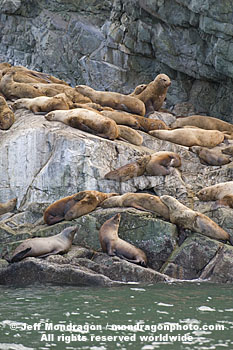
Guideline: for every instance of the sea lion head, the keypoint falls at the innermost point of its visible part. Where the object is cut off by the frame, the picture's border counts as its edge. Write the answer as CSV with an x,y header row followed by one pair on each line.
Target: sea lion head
x,y
69,232
163,81
202,194
116,219
50,116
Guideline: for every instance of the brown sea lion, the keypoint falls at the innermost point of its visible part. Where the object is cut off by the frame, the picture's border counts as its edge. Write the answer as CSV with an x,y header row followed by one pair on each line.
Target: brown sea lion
x,y
44,246
147,124
141,201
154,94
86,120
130,170
7,116
193,220
113,99
130,135
162,162
190,136
25,75
228,150
72,207
210,156
113,245
215,192
122,118
203,122
8,206
44,103
12,89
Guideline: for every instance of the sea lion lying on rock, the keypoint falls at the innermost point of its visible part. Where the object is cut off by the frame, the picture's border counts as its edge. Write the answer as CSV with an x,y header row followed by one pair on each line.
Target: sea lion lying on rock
x,y
113,99
210,156
113,245
190,136
8,206
203,122
157,164
86,120
215,192
44,103
193,220
7,116
72,207
41,247
141,201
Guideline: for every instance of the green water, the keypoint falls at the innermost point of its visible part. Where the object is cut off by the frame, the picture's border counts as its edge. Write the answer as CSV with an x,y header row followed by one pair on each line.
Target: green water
x,y
196,315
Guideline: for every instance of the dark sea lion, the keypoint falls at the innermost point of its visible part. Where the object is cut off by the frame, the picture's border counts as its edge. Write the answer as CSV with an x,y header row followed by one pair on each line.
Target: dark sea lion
x,y
8,206
44,246
210,156
129,171
72,207
113,245
162,162
193,220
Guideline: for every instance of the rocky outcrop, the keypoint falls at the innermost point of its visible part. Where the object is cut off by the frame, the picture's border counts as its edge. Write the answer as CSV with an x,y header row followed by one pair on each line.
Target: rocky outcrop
x,y
42,161
118,44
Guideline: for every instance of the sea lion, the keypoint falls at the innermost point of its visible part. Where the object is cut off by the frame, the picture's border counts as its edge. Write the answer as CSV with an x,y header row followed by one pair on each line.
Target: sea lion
x,y
113,99
228,150
138,89
8,206
74,206
141,201
161,162
193,220
41,247
12,89
25,75
122,118
147,124
154,94
113,245
190,136
44,103
130,135
226,201
217,191
210,156
7,116
86,120
130,170
203,122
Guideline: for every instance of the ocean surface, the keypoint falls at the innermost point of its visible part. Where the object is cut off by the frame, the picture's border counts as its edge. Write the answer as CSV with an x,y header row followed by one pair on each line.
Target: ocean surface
x,y
162,316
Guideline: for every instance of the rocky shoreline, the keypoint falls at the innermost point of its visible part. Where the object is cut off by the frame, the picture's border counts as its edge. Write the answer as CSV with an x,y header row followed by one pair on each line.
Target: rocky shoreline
x,y
56,160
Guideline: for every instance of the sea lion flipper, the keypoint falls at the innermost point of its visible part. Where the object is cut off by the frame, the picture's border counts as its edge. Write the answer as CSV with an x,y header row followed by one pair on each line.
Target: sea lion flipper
x,y
136,206
19,256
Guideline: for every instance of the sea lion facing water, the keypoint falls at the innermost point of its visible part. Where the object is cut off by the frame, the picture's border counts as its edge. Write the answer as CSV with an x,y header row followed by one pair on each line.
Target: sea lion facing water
x,y
113,99
193,220
190,136
113,245
44,246
7,116
141,201
7,207
74,206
